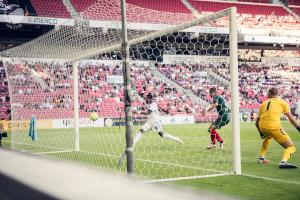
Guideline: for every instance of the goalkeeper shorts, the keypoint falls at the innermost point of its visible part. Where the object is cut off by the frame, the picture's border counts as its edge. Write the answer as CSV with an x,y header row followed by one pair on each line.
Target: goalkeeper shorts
x,y
278,134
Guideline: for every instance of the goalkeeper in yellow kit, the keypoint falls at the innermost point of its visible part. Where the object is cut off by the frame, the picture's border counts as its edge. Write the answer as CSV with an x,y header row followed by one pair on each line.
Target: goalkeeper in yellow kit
x,y
269,126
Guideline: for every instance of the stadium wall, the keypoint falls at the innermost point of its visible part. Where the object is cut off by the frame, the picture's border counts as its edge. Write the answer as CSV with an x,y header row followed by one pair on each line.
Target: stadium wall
x,y
87,123
193,59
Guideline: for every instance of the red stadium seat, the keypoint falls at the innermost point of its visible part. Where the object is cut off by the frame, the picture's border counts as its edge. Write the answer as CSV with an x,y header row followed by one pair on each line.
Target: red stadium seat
x,y
242,8
53,8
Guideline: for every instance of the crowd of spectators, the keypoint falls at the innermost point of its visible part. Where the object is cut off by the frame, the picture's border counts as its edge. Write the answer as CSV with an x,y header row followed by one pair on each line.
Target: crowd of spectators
x,y
254,79
263,21
4,93
170,100
15,7
250,55
281,53
254,20
46,88
39,86
94,89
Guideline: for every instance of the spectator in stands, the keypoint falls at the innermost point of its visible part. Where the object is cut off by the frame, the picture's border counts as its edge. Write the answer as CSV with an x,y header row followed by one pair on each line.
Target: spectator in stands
x,y
96,93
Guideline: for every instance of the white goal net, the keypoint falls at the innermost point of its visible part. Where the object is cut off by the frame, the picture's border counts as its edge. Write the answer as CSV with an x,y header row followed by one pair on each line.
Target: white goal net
x,y
59,79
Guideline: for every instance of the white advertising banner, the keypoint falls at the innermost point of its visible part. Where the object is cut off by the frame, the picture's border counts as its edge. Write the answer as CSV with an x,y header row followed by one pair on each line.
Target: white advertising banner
x,y
84,122
268,32
113,62
178,119
271,39
202,73
285,61
149,26
207,29
19,19
115,79
194,59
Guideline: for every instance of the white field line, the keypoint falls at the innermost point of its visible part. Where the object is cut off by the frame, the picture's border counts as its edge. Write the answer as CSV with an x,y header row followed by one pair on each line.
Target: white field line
x,y
222,173
272,179
6,141
161,163
182,166
50,152
100,154
42,146
185,178
225,174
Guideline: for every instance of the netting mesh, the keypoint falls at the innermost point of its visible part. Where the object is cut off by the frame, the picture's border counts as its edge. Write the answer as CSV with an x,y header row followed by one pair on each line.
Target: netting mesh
x,y
175,66
41,89
179,84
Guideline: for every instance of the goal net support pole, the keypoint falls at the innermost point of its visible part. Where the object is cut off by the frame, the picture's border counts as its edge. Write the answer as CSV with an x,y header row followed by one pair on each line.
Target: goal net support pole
x,y
235,92
127,91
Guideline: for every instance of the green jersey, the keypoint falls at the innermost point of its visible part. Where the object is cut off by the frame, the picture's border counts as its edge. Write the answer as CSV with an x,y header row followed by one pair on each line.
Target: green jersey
x,y
222,106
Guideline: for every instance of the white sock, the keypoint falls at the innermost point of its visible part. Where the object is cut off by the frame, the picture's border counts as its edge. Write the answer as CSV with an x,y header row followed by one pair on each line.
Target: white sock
x,y
170,137
137,137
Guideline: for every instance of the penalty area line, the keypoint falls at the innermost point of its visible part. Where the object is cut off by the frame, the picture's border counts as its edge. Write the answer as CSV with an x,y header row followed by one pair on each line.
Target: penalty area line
x,y
184,178
271,179
161,163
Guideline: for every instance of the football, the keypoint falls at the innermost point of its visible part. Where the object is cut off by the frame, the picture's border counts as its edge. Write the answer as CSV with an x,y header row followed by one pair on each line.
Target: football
x,y
94,116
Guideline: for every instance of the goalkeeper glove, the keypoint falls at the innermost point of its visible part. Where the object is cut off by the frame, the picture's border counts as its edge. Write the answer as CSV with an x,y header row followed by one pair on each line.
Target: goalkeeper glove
x,y
4,134
298,128
262,136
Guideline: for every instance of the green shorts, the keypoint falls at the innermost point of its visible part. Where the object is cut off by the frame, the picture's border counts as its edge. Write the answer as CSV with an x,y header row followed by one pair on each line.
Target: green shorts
x,y
221,121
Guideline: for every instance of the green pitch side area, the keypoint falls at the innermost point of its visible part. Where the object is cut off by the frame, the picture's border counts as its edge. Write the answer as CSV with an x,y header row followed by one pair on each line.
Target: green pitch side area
x,y
155,158
162,159
259,181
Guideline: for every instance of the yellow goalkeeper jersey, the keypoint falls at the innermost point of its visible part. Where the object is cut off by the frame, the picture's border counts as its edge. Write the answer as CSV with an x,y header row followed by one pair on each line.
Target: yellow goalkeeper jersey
x,y
270,112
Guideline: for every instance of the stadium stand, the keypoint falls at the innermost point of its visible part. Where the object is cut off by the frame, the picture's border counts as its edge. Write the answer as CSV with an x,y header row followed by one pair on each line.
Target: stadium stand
x,y
252,83
242,8
255,79
258,14
250,14
80,5
4,99
255,1
174,6
281,53
97,95
164,13
13,7
294,2
53,8
296,9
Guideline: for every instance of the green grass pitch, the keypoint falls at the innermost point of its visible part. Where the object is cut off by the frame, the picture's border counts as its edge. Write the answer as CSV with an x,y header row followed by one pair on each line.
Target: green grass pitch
x,y
285,186
189,159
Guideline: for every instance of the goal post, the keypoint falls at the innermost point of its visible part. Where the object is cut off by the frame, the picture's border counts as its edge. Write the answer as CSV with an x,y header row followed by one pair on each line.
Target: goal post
x,y
76,106
177,64
235,91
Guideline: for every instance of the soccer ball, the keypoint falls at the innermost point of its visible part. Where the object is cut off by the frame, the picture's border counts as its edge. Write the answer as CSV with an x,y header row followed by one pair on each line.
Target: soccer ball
x,y
94,116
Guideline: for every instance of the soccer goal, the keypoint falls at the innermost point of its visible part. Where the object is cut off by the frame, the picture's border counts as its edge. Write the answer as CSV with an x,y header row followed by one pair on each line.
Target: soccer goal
x,y
149,107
